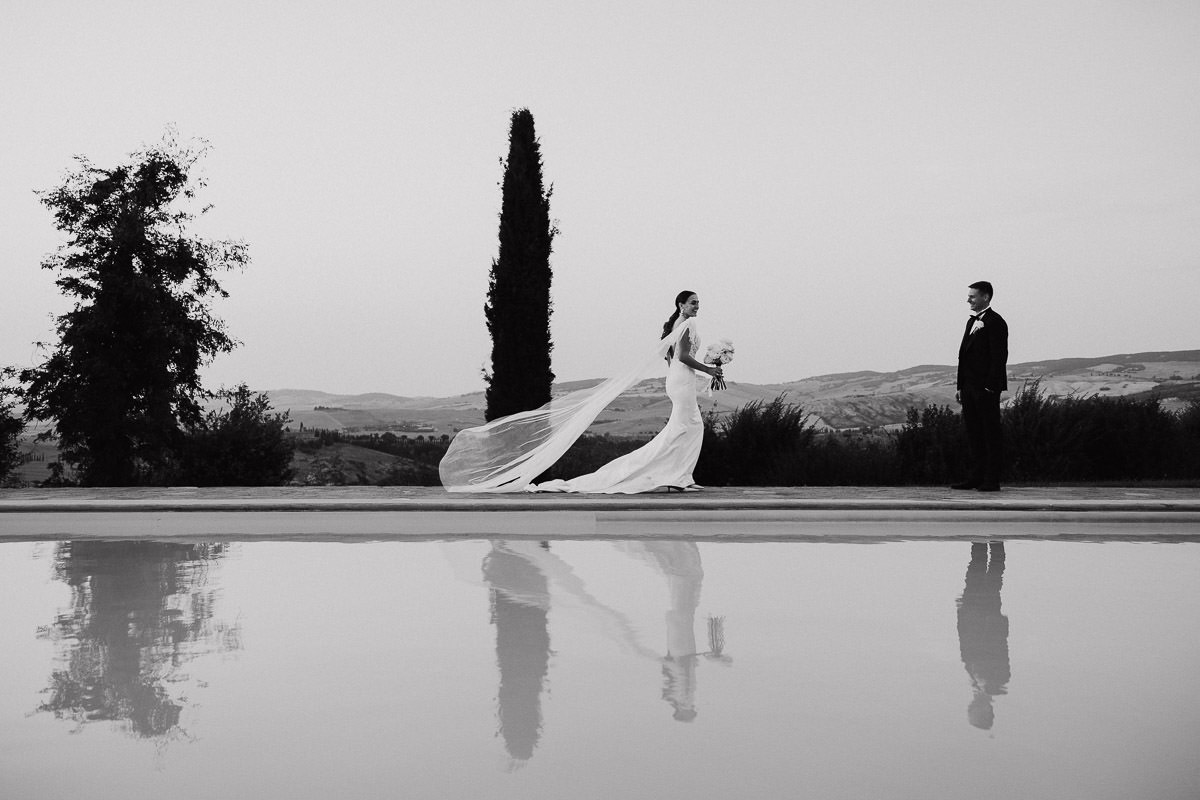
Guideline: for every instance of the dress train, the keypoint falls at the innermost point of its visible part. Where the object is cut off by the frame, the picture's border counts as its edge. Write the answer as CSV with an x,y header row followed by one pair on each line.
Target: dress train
x,y
666,460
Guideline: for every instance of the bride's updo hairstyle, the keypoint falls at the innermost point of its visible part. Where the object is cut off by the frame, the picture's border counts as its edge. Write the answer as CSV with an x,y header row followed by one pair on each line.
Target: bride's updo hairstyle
x,y
669,325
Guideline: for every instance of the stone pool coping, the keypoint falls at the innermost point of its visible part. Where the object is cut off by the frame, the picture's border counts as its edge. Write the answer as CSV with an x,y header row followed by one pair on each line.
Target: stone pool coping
x,y
878,513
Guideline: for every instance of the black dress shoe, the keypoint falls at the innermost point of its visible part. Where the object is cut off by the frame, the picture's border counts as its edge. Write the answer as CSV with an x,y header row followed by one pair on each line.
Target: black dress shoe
x,y
965,485
989,487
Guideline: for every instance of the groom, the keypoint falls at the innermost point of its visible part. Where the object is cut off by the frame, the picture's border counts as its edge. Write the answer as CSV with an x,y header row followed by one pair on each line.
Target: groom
x,y
982,376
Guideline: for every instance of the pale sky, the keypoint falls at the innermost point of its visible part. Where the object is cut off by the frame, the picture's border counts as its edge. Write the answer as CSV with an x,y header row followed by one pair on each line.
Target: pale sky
x,y
827,176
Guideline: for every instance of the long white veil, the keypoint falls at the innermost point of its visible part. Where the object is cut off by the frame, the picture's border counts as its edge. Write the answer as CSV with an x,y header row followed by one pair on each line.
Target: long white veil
x,y
506,454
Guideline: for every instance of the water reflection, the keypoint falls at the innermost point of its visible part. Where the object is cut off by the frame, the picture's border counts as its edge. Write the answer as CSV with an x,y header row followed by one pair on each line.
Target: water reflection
x,y
520,605
139,611
523,578
983,631
433,665
679,562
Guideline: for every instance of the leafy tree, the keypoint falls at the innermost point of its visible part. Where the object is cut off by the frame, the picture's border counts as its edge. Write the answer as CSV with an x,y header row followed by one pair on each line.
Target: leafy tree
x,y
11,427
518,305
123,376
242,445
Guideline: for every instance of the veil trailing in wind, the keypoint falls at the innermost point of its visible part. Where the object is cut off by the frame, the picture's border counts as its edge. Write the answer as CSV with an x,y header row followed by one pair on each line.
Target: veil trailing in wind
x,y
506,454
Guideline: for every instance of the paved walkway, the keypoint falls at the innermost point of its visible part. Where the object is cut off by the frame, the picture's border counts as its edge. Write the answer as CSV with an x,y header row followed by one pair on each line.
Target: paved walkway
x,y
741,513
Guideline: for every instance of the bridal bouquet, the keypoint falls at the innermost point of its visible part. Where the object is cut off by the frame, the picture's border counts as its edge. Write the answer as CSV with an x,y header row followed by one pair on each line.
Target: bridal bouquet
x,y
720,352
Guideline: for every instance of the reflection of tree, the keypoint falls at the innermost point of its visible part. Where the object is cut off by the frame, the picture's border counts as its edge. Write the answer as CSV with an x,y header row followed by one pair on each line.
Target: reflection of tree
x,y
138,614
520,605
983,632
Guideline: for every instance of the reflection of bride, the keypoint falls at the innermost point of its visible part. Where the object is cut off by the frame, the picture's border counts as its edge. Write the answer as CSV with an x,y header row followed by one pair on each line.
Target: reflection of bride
x,y
679,563
506,454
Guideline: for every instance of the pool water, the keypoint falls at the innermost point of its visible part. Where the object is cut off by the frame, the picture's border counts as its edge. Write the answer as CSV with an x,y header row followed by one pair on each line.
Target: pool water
x,y
633,668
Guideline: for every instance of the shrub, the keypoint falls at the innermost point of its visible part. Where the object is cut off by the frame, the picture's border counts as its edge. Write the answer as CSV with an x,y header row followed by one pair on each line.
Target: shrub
x,y
931,447
243,445
1187,443
328,471
1125,439
758,444
1090,439
1042,435
11,427
851,458
588,454
408,473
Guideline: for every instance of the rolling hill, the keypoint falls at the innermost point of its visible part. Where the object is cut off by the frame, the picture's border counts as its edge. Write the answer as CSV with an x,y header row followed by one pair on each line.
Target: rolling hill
x,y
842,400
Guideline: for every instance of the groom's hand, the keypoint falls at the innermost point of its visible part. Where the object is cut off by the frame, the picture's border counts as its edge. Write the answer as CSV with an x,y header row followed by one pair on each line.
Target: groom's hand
x,y
958,396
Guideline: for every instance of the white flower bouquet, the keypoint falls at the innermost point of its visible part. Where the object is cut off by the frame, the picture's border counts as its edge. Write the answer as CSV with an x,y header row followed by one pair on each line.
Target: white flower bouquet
x,y
719,353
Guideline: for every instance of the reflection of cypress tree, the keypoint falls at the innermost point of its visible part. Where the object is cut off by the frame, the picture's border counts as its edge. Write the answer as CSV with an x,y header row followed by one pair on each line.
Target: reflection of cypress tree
x,y
520,602
137,614
983,632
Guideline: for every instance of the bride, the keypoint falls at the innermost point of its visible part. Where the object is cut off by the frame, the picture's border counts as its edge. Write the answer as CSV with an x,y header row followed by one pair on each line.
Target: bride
x,y
507,454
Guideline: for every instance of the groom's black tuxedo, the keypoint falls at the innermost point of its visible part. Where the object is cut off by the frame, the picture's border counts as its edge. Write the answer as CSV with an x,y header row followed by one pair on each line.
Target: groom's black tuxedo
x,y
982,376
983,355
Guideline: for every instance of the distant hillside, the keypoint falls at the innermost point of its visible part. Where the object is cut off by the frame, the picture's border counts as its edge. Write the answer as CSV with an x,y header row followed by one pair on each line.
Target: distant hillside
x,y
844,400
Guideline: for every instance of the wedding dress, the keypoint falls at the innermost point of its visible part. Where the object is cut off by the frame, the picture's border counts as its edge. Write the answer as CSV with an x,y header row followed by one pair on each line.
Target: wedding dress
x,y
507,454
666,460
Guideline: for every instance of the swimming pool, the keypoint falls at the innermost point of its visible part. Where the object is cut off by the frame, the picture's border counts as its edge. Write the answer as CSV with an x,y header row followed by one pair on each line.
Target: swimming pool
x,y
1016,665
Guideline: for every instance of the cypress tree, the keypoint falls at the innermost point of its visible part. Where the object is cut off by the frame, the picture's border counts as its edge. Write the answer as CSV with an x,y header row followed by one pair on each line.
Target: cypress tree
x,y
518,305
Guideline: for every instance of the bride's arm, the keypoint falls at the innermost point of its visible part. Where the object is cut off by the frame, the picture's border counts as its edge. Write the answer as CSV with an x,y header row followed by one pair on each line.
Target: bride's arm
x,y
685,347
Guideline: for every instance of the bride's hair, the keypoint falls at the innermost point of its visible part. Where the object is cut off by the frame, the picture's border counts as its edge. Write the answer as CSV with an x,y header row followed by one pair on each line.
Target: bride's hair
x,y
669,325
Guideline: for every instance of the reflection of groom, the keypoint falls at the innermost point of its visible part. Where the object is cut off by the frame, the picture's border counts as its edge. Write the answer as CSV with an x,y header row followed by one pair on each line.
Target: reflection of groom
x,y
982,376
983,631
